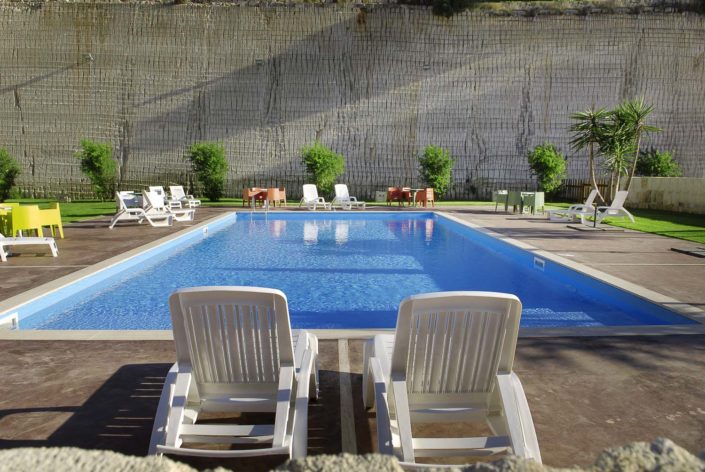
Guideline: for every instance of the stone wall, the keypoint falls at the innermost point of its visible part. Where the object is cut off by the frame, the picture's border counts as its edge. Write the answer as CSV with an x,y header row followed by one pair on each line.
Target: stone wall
x,y
375,84
678,194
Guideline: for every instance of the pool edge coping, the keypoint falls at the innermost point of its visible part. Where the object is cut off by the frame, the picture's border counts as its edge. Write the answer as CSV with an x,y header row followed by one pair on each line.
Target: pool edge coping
x,y
680,308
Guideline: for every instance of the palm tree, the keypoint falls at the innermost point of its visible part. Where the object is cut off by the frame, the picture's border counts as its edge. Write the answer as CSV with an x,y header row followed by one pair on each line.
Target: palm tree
x,y
587,131
616,145
632,114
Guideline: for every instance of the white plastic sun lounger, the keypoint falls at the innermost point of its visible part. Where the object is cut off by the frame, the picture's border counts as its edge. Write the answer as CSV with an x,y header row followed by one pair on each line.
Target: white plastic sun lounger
x,y
615,209
177,194
343,198
236,353
5,243
575,212
130,209
312,200
449,361
154,204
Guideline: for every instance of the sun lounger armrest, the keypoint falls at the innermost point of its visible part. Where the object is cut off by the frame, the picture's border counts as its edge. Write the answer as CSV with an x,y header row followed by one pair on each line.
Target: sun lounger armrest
x,y
286,383
384,430
401,407
518,415
300,421
160,419
603,208
177,404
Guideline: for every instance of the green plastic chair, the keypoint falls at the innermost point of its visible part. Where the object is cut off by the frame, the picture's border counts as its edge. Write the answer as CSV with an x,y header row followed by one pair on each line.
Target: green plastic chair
x,y
499,197
26,217
514,200
51,217
535,201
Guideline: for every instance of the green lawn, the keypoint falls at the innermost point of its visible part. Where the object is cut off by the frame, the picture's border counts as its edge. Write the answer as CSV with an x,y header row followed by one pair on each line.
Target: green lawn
x,y
675,225
75,211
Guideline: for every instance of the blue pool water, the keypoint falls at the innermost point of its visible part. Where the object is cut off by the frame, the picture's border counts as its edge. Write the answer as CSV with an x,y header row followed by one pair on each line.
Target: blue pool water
x,y
346,270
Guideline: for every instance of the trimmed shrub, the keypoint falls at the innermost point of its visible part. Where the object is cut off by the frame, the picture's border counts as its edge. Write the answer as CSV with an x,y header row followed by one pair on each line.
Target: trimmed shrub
x,y
549,166
100,168
448,8
209,164
436,165
323,164
9,170
654,163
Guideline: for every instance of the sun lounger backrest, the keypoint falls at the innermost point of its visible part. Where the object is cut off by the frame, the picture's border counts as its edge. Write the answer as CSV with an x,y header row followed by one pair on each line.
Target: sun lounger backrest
x,y
232,334
127,199
591,198
153,200
177,192
455,342
342,192
619,199
310,192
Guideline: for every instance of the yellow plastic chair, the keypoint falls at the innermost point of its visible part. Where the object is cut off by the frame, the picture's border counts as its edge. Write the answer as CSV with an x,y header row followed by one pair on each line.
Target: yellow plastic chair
x,y
26,217
6,217
51,217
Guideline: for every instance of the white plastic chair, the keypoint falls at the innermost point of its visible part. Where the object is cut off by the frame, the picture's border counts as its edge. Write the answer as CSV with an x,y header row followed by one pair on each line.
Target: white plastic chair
x,y
130,209
449,361
177,194
312,200
574,212
5,243
236,353
343,198
615,209
154,204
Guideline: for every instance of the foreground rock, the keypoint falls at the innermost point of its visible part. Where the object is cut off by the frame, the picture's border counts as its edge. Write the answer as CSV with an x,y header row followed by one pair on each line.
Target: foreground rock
x,y
661,455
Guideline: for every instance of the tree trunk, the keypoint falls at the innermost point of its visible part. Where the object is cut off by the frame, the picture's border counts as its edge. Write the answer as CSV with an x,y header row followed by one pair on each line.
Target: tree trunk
x,y
636,158
592,174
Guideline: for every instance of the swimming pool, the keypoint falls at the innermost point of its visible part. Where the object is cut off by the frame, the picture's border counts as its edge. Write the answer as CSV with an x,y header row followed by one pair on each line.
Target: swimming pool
x,y
344,270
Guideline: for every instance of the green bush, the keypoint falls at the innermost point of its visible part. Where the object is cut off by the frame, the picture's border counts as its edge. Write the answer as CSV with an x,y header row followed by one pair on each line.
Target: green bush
x,y
436,165
100,168
9,170
323,164
448,8
209,164
549,166
654,163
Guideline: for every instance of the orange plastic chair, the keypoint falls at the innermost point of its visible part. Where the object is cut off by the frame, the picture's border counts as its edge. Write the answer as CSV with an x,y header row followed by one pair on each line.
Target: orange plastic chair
x,y
51,217
26,217
405,196
393,195
424,196
272,196
259,194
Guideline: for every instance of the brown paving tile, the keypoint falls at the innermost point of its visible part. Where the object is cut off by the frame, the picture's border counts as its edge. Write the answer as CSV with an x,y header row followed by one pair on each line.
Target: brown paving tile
x,y
587,394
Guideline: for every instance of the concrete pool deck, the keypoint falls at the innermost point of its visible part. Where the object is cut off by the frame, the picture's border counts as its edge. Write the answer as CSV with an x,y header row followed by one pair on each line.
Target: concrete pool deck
x,y
585,393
